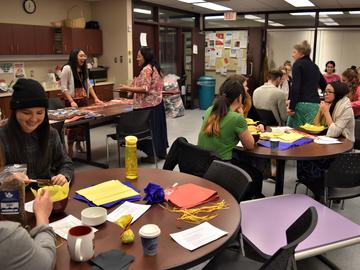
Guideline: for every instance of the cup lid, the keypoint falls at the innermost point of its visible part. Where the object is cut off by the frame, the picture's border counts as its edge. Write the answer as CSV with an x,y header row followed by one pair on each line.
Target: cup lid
x,y
149,231
274,140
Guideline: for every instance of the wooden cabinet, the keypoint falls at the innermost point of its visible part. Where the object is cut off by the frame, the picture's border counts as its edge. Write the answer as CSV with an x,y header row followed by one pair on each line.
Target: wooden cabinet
x,y
6,39
44,40
104,92
54,94
5,106
17,39
90,40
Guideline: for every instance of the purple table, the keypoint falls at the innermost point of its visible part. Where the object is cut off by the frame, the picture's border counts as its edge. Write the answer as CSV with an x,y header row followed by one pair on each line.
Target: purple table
x,y
264,222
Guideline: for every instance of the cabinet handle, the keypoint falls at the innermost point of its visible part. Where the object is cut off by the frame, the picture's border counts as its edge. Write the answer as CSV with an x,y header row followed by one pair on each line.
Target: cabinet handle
x,y
64,48
11,48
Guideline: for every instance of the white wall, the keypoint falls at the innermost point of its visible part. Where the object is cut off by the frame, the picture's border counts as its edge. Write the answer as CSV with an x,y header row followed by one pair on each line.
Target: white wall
x,y
341,46
280,44
115,17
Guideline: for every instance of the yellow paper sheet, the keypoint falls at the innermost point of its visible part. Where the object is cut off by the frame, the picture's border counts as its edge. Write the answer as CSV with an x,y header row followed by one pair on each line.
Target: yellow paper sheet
x,y
284,137
106,192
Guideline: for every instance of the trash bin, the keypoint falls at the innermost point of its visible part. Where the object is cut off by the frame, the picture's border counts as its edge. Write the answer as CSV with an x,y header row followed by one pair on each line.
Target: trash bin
x,y
206,91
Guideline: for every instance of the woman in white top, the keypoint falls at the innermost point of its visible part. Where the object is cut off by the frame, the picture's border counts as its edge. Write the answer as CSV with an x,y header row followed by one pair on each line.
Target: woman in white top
x,y
76,88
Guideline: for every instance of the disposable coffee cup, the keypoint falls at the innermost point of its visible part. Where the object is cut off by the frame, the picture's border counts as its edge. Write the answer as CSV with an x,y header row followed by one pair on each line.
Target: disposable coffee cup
x,y
150,235
274,144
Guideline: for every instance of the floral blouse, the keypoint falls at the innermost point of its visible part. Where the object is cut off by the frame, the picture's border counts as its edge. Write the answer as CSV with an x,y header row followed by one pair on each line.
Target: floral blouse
x,y
154,84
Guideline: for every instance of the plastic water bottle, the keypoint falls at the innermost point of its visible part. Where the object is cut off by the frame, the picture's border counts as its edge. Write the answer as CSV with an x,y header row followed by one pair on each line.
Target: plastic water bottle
x,y
131,166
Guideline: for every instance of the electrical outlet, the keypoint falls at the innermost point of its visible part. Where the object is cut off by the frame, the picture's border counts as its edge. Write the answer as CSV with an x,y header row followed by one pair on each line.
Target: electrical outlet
x,y
115,60
121,59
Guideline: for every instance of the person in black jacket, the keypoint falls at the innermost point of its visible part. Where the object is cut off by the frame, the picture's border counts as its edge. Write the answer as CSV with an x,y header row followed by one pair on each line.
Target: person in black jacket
x,y
303,96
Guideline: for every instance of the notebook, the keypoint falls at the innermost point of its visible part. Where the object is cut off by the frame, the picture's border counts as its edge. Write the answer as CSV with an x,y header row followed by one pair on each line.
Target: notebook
x,y
189,195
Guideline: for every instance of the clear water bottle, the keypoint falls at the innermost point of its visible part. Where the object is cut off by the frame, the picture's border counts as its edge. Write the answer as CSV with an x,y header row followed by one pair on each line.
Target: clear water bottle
x,y
131,166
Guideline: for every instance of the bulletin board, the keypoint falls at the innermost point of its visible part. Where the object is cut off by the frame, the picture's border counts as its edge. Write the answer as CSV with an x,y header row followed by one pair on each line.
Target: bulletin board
x,y
226,51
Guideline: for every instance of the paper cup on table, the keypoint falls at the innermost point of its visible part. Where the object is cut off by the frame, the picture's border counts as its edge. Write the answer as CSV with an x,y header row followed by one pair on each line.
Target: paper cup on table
x,y
274,144
150,234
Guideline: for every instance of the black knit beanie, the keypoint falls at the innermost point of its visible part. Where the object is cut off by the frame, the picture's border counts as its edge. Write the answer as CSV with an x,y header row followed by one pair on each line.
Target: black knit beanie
x,y
28,93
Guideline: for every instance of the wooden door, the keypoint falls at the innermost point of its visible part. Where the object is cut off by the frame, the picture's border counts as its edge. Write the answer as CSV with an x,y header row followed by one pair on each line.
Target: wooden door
x,y
6,39
198,64
94,42
152,33
44,40
24,39
66,40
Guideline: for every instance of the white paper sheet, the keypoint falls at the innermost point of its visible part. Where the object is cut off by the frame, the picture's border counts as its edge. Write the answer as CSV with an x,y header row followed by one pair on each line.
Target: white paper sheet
x,y
29,206
143,41
198,236
62,226
134,209
326,140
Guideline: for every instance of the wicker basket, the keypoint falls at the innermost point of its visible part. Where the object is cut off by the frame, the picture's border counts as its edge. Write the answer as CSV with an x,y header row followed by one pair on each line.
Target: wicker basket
x,y
77,22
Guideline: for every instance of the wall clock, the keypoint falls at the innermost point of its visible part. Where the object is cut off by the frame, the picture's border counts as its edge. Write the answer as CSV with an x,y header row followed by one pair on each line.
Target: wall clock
x,y
29,6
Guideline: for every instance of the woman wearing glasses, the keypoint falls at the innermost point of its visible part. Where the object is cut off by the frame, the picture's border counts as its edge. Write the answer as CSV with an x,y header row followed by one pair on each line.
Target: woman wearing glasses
x,y
336,112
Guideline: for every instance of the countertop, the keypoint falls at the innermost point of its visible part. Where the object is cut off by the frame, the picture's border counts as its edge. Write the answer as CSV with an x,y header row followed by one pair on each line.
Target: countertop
x,y
48,89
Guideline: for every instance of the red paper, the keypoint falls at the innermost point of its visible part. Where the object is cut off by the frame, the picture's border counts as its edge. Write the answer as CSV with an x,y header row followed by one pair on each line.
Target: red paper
x,y
189,195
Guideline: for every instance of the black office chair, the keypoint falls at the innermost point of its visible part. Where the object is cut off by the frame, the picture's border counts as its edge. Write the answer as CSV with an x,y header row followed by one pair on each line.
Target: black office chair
x,y
357,134
267,117
136,123
232,178
283,259
191,159
342,179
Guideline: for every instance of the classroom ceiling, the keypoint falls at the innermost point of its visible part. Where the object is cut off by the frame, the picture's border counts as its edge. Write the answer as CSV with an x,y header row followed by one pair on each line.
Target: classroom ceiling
x,y
258,5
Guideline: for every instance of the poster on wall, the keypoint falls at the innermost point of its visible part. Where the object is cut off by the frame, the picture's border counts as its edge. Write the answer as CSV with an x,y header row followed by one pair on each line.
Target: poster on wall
x,y
6,68
228,38
19,70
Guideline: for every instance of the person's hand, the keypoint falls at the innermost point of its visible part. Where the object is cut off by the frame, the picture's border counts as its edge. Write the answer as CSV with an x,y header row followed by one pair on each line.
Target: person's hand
x,y
290,112
59,180
22,177
73,104
98,101
260,128
240,110
42,207
324,106
123,87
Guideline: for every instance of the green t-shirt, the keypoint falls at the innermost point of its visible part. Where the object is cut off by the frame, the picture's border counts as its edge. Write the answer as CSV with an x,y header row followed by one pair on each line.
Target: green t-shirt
x,y
230,128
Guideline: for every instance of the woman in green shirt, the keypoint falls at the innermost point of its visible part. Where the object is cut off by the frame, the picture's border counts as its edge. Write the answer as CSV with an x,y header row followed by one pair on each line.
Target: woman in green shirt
x,y
223,127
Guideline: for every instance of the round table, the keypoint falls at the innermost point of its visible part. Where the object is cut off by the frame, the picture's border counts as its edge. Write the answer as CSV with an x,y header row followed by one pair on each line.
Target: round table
x,y
170,254
310,151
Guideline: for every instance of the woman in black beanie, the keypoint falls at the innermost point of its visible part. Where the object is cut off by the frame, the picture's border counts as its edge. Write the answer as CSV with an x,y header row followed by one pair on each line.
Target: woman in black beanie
x,y
27,137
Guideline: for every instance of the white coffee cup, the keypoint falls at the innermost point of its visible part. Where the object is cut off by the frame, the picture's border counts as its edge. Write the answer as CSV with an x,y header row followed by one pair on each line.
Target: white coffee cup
x,y
80,243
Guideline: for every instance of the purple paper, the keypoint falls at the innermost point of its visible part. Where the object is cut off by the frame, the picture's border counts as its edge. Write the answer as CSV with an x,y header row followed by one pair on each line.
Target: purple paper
x,y
285,146
110,204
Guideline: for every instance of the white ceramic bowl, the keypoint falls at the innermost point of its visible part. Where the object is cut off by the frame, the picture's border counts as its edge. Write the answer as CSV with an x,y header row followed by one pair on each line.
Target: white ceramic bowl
x,y
93,216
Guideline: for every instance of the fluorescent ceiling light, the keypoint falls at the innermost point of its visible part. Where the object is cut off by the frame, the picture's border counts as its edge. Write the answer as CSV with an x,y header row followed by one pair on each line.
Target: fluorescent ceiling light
x,y
331,23
219,17
326,20
142,11
354,12
260,21
300,3
212,6
303,14
275,24
252,17
331,13
192,1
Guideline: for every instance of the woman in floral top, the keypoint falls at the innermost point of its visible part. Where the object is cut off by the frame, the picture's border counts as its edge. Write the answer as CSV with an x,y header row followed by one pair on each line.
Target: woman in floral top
x,y
147,88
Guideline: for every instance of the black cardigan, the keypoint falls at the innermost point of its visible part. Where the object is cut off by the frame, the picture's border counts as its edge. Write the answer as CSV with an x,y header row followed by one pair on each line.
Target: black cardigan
x,y
307,78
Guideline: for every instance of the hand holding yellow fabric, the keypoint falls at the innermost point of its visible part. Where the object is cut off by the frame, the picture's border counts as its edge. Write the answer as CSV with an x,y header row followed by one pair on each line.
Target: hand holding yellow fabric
x,y
57,193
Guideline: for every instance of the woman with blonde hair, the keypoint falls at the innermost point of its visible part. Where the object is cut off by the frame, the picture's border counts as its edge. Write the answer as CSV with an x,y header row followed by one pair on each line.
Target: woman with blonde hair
x,y
223,127
303,95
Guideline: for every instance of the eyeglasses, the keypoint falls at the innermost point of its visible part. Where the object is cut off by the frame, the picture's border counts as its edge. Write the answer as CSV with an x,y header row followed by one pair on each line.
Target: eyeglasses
x,y
328,92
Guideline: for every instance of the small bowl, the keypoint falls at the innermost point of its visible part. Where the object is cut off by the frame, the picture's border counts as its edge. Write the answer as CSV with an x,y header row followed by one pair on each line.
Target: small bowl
x,y
93,216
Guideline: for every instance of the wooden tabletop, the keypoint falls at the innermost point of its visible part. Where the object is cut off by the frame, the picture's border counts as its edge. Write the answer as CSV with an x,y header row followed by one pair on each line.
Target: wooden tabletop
x,y
170,254
308,151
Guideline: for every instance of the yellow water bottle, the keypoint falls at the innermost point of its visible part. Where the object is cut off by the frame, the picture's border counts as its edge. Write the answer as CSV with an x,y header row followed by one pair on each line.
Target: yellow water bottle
x,y
131,167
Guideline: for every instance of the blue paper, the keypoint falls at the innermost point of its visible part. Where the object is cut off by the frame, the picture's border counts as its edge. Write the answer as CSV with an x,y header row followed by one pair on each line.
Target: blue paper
x,y
110,204
285,146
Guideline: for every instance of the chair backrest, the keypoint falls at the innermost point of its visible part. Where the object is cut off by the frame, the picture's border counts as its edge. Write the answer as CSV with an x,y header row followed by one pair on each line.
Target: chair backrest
x,y
135,123
342,179
191,158
56,103
357,134
295,234
232,178
267,117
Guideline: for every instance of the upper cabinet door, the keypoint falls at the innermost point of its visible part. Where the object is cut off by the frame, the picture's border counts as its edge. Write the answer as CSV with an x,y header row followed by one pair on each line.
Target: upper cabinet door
x,y
23,39
44,40
6,39
94,41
